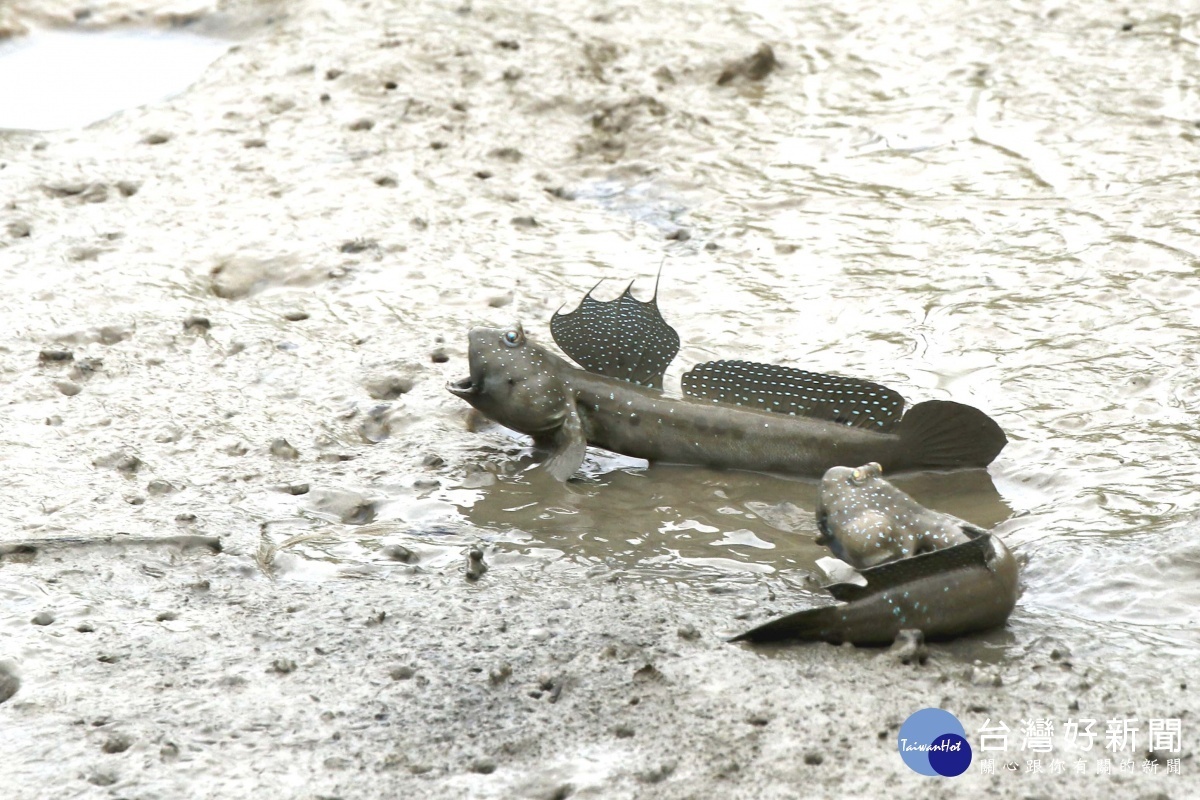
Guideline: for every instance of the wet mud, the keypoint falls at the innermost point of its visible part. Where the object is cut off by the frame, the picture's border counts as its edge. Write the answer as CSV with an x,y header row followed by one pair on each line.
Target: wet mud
x,y
243,525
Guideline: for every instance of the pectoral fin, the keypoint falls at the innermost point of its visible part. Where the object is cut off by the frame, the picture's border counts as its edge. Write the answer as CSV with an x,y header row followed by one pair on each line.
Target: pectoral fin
x,y
570,446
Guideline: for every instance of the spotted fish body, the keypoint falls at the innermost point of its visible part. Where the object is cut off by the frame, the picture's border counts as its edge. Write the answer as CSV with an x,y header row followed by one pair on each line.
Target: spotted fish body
x,y
739,415
867,521
966,582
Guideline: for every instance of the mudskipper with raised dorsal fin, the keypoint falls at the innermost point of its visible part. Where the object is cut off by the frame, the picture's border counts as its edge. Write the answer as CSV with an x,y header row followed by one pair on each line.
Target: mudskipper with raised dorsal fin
x,y
735,414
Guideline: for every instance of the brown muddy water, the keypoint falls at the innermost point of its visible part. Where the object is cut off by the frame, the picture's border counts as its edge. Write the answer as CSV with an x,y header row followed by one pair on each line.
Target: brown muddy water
x,y
232,314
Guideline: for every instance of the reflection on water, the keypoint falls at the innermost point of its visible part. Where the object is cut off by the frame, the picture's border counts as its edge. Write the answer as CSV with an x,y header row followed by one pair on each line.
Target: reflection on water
x,y
65,79
691,518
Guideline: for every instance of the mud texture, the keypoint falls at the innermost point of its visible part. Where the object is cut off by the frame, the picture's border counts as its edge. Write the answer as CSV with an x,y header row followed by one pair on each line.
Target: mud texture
x,y
238,509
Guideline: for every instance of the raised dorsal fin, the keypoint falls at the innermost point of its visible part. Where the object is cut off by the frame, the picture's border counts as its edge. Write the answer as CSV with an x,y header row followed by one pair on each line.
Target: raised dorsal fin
x,y
905,570
623,338
786,390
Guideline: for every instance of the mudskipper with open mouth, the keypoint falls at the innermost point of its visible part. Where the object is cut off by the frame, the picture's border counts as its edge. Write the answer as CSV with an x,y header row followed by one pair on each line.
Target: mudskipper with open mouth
x,y
735,414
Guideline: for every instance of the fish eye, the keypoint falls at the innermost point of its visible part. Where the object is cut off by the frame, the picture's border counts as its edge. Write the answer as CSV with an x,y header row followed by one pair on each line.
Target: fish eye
x,y
514,337
874,468
858,476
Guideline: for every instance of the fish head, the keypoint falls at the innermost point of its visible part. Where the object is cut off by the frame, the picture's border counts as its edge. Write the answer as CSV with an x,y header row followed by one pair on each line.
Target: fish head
x,y
849,511
849,488
514,381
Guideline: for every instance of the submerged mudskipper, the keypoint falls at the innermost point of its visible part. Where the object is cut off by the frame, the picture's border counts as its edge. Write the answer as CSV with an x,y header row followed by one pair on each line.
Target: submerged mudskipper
x,y
923,569
734,414
866,521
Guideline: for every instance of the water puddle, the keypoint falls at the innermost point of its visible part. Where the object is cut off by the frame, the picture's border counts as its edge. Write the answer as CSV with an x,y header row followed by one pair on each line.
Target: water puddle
x,y
676,521
66,79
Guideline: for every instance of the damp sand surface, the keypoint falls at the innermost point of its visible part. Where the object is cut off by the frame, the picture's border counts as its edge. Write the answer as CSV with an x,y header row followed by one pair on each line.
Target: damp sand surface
x,y
237,501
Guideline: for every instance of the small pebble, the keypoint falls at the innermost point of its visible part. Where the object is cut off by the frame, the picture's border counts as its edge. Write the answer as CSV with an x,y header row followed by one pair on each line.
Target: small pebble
x,y
117,743
401,673
358,245
10,684
120,461
43,618
388,387
68,388
283,666
909,647
484,766
52,356
158,137
754,67
398,552
476,566
978,676
363,124
500,674
196,324
281,448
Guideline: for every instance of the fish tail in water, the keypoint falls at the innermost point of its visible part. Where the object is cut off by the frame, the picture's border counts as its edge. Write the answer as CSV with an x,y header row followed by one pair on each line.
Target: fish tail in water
x,y
942,433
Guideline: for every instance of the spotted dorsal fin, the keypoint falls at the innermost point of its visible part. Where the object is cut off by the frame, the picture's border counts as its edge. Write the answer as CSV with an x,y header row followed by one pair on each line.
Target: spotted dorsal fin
x,y
905,570
623,338
786,390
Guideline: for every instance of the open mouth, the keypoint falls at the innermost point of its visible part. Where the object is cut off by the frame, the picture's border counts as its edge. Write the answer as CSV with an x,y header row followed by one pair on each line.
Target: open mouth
x,y
462,388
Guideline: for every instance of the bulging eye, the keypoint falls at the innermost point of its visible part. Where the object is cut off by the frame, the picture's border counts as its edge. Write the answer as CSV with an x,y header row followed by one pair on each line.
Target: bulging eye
x,y
858,476
514,338
874,468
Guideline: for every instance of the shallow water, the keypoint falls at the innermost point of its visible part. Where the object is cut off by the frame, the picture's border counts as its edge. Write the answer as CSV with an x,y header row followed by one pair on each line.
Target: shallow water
x,y
54,79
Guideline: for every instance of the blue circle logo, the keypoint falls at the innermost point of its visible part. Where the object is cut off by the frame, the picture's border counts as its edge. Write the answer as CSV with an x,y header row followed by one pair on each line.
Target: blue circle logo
x,y
934,742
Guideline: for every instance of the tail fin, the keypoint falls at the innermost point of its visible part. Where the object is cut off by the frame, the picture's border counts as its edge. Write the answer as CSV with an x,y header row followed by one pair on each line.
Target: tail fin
x,y
941,433
811,624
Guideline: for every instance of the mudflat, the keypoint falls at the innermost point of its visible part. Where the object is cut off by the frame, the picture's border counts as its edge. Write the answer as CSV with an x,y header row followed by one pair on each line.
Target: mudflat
x,y
237,503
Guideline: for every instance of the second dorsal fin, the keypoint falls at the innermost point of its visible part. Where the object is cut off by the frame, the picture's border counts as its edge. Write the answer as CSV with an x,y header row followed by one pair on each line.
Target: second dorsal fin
x,y
623,338
905,570
786,390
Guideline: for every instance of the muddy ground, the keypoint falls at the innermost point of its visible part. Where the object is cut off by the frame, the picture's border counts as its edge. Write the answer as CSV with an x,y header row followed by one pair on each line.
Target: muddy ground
x,y
236,495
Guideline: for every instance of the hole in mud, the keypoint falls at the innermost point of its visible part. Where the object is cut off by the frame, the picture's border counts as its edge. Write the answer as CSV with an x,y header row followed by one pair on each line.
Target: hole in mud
x,y
66,79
